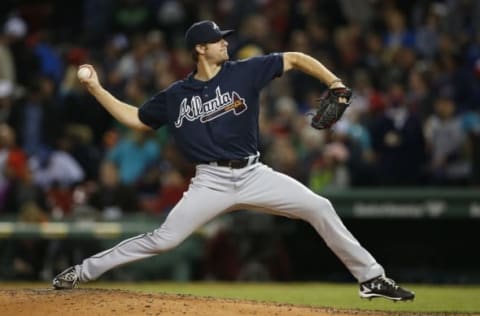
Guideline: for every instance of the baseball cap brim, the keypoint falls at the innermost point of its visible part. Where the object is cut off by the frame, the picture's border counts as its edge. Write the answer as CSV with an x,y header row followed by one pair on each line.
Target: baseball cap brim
x,y
227,32
223,34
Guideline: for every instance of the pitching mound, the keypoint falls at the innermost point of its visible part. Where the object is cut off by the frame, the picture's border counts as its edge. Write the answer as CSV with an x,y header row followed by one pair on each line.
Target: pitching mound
x,y
104,302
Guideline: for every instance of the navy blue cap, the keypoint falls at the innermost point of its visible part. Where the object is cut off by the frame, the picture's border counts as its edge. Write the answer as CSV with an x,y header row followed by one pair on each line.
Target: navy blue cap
x,y
204,32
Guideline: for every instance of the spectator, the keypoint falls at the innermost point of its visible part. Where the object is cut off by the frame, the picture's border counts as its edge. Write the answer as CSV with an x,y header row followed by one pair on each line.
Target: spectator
x,y
283,157
397,34
419,97
330,171
55,167
13,169
471,124
133,154
427,35
26,63
398,142
450,156
131,16
173,185
136,62
283,122
7,66
78,141
37,119
49,60
113,198
356,139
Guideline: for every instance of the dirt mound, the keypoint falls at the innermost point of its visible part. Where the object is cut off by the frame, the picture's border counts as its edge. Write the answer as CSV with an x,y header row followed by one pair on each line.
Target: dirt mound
x,y
107,302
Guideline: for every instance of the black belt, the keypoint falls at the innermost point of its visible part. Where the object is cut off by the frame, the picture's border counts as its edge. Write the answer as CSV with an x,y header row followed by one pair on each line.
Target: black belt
x,y
234,163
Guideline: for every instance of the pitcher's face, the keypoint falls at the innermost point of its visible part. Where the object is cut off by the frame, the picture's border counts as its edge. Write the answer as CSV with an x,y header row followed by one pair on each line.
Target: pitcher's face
x,y
217,52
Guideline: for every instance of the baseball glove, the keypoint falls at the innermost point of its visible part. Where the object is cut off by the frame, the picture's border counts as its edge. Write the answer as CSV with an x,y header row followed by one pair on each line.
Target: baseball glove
x,y
331,107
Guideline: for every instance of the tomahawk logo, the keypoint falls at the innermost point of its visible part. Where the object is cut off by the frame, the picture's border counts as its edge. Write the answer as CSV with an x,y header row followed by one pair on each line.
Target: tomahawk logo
x,y
215,26
221,104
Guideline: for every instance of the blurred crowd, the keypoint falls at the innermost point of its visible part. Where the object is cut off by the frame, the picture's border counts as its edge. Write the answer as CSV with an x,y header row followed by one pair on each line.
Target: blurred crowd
x,y
414,68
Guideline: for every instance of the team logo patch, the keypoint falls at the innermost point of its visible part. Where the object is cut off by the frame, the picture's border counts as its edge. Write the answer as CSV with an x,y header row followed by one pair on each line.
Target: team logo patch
x,y
220,105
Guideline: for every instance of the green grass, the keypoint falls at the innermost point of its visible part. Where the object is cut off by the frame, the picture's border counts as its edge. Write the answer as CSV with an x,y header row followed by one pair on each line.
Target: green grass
x,y
429,298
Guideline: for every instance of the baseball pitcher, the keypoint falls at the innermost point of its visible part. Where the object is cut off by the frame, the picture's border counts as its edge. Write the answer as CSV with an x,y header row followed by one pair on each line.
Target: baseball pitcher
x,y
213,116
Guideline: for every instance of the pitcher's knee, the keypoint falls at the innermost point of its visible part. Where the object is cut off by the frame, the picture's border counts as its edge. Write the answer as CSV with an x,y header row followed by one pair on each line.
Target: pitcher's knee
x,y
163,241
320,208
323,203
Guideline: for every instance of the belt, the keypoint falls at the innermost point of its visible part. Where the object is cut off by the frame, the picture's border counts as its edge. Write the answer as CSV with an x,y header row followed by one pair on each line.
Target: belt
x,y
235,163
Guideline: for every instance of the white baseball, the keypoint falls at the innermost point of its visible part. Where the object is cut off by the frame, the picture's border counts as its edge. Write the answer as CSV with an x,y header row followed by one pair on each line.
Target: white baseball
x,y
84,73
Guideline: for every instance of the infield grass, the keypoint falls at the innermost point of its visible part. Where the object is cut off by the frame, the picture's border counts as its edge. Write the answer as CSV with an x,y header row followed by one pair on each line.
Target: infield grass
x,y
429,298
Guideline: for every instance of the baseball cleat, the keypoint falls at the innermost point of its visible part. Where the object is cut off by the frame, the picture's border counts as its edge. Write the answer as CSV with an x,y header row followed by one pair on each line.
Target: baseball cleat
x,y
384,287
66,280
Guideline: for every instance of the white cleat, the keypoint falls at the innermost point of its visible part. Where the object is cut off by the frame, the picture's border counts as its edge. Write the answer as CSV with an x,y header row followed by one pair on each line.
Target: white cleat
x,y
66,280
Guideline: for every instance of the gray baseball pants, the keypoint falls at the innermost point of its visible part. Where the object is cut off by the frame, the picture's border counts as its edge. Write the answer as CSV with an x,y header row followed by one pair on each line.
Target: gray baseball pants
x,y
216,190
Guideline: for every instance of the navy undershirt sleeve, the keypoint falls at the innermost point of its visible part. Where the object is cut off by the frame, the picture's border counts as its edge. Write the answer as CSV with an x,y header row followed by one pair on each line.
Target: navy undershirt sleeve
x,y
154,112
